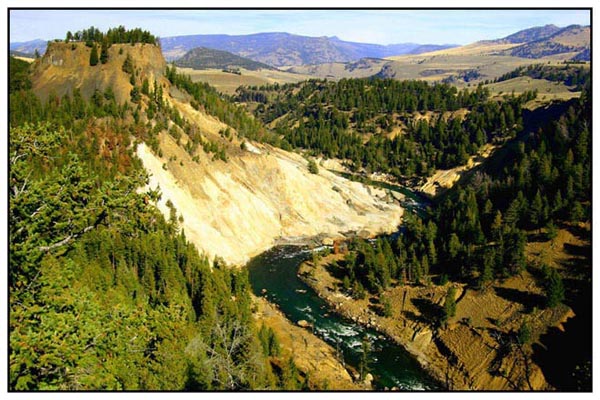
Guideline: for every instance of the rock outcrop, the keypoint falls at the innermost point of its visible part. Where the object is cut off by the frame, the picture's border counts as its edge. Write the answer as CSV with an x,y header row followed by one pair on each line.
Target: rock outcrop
x,y
66,67
236,209
240,208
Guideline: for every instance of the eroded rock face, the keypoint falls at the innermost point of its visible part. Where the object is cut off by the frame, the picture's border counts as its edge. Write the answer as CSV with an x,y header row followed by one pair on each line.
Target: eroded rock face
x,y
65,67
240,208
233,209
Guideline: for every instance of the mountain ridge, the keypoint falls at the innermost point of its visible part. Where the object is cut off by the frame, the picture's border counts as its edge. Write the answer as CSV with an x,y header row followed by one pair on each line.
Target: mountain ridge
x,y
206,58
570,39
29,47
283,49
531,34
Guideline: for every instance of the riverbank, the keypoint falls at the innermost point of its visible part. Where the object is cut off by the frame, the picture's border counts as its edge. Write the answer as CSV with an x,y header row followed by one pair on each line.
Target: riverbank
x,y
312,356
476,350
273,276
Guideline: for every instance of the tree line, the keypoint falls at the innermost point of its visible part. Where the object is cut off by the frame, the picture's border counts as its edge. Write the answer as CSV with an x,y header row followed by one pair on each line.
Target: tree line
x,y
570,74
352,119
112,36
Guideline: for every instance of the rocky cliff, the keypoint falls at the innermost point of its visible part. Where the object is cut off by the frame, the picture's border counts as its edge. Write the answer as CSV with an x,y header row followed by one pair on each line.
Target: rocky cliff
x,y
233,209
66,67
239,208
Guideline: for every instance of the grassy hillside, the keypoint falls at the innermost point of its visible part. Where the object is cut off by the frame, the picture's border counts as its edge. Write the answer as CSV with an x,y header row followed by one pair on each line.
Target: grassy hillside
x,y
228,83
547,90
565,43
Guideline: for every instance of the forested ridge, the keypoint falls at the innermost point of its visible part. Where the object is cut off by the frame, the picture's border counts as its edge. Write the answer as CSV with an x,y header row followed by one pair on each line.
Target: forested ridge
x,y
352,119
571,74
105,293
206,58
477,232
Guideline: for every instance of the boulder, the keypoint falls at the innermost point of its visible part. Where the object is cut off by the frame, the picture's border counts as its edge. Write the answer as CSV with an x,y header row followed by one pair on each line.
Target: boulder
x,y
304,323
327,241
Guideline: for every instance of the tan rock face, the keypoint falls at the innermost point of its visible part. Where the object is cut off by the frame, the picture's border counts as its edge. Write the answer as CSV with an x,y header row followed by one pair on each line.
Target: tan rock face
x,y
66,66
241,208
233,209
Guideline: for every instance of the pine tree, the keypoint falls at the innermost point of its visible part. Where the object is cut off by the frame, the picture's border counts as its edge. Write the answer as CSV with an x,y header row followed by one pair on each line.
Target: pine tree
x,y
524,334
487,271
145,87
536,210
312,167
449,305
387,306
104,52
577,213
496,228
425,266
551,232
454,246
555,291
94,55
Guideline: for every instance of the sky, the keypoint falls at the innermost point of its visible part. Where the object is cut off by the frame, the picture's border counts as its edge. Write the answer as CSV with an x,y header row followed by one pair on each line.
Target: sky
x,y
367,26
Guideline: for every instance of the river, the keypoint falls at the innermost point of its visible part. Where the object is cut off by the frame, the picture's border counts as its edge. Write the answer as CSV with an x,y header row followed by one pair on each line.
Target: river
x,y
390,365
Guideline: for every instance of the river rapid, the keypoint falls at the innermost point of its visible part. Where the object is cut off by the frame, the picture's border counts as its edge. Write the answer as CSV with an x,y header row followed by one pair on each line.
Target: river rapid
x,y
273,275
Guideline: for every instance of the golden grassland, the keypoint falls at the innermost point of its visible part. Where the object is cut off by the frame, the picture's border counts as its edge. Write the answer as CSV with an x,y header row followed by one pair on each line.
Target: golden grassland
x,y
226,82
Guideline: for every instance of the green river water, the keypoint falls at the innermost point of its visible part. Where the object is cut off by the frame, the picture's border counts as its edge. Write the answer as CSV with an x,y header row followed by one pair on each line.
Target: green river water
x,y
390,365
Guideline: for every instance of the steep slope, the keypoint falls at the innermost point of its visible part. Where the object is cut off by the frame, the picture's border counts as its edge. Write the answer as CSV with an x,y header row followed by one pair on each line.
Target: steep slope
x,y
240,208
232,209
205,58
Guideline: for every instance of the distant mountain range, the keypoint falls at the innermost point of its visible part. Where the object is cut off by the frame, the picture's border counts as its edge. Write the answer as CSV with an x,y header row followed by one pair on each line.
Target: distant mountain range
x,y
549,40
205,58
15,53
281,49
29,48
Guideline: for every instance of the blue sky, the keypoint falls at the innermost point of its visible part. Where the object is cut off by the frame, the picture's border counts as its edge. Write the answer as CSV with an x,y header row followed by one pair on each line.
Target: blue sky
x,y
372,26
